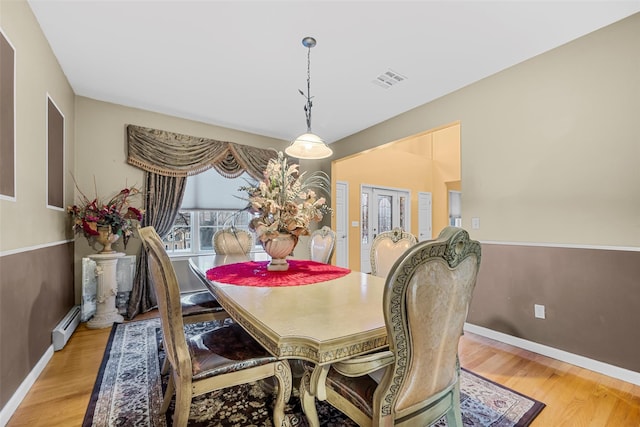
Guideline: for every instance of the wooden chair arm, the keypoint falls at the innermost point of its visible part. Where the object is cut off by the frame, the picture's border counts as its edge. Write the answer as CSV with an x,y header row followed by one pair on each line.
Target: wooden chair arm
x,y
363,365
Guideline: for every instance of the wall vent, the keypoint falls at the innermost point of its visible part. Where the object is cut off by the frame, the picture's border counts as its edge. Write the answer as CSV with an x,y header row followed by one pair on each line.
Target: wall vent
x,y
388,79
65,328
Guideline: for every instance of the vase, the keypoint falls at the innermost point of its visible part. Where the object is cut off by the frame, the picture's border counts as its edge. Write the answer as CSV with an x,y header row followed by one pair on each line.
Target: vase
x,y
106,238
278,248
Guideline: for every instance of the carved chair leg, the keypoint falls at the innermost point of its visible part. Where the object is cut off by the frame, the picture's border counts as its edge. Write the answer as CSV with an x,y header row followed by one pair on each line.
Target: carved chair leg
x,y
317,381
283,375
308,400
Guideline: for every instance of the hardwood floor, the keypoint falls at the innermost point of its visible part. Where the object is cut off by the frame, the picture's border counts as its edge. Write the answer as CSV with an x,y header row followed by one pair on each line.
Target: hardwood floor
x,y
574,396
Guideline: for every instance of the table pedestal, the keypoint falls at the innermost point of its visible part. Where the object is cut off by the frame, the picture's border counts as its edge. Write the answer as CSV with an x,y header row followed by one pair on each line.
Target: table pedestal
x,y
107,289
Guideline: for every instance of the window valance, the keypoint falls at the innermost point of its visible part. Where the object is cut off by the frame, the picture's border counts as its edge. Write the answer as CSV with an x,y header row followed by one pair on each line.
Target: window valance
x,y
178,155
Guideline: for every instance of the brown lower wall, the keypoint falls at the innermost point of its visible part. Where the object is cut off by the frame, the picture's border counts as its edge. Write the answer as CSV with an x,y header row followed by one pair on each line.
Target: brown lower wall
x,y
591,296
36,292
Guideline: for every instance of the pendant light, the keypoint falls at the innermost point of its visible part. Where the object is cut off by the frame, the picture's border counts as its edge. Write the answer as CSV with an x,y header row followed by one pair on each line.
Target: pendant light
x,y
308,145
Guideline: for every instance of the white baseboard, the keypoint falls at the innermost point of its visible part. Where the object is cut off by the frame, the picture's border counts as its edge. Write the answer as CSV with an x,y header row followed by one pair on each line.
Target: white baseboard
x,y
7,411
581,361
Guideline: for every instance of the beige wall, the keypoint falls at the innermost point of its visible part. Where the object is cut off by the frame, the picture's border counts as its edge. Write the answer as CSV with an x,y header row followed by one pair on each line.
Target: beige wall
x,y
27,221
549,147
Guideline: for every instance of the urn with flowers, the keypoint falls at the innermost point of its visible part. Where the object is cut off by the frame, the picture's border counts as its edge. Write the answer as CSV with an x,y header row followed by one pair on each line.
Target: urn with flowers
x,y
105,222
284,204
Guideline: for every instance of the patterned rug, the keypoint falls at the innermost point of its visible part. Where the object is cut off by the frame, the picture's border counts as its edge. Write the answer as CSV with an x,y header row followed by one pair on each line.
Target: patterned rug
x,y
128,392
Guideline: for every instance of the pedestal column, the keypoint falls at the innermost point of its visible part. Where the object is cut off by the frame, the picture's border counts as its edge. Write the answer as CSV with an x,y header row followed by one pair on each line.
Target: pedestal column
x,y
106,291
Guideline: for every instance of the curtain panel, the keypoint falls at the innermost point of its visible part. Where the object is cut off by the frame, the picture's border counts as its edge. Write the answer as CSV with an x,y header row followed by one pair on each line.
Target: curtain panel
x,y
162,200
168,159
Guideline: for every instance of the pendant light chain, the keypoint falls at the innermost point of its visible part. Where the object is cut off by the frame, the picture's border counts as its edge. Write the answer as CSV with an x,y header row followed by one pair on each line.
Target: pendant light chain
x,y
307,107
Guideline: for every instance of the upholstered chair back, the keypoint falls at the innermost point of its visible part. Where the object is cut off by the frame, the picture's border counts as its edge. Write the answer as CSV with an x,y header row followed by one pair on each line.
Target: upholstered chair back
x,y
426,300
387,247
233,241
416,381
167,291
321,244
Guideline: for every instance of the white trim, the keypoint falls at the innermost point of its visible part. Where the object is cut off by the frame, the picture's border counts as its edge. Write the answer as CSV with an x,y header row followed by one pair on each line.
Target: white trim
x,y
8,410
564,356
33,248
565,245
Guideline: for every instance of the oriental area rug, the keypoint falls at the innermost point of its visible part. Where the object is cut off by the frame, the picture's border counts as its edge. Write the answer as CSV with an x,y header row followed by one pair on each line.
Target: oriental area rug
x,y
129,388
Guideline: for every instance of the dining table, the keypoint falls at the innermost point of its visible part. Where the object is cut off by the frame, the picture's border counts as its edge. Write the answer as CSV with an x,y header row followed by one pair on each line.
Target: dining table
x,y
312,312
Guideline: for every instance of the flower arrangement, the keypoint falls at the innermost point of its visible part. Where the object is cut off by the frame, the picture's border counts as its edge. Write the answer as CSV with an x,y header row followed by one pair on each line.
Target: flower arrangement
x,y
116,213
285,200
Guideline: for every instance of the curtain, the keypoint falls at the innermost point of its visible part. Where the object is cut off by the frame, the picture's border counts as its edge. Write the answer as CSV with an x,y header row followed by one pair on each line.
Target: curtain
x,y
174,154
168,159
161,203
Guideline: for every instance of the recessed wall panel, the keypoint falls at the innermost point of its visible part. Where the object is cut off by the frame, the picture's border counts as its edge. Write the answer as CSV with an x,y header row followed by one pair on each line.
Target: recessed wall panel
x,y
7,119
55,156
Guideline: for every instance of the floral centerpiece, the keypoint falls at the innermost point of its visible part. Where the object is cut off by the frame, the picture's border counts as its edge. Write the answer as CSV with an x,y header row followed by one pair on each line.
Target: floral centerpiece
x,y
285,202
106,221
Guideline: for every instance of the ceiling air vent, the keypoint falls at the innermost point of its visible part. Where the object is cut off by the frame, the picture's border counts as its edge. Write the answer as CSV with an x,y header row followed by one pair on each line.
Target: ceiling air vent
x,y
388,79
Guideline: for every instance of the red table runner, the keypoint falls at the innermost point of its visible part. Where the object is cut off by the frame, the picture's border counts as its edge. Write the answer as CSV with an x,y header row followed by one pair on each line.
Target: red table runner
x,y
255,273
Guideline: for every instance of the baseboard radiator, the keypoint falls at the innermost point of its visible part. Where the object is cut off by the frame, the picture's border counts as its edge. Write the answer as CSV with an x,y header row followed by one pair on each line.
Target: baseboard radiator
x,y
65,328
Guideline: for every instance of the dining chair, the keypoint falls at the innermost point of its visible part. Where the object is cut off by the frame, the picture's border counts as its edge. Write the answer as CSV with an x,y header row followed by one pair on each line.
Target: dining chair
x,y
220,357
232,241
387,247
321,244
416,381
198,306
201,306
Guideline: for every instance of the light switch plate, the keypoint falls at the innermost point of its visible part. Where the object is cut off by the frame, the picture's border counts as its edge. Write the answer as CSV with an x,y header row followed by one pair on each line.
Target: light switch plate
x,y
475,223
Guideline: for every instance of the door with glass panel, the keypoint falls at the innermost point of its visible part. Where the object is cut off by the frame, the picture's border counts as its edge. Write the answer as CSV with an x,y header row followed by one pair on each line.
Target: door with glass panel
x,y
381,210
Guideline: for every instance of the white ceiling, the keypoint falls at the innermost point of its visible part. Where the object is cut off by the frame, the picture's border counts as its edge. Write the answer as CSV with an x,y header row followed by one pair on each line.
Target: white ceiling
x,y
240,64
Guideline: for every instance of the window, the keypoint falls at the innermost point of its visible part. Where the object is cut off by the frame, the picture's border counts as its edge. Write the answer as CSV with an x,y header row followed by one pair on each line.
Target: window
x,y
455,208
385,215
403,207
179,238
211,202
364,208
193,231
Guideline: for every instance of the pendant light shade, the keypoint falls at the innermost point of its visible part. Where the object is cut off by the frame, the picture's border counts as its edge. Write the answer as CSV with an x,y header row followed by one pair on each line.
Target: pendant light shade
x,y
308,145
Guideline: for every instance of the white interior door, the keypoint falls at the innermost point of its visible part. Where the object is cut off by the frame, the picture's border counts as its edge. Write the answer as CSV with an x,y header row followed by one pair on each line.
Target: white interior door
x,y
424,217
342,236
